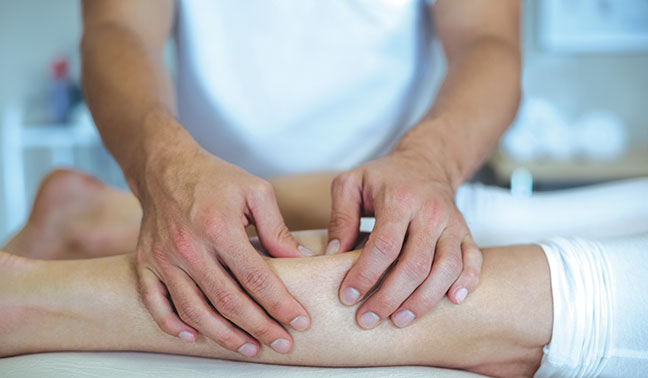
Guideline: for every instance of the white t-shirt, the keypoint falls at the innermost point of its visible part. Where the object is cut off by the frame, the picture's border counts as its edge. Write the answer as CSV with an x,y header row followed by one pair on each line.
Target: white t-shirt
x,y
288,86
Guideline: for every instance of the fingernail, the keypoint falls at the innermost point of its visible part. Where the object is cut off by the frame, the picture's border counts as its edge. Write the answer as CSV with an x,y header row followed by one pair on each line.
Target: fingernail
x,y
460,295
333,247
281,346
350,296
186,336
248,350
368,320
300,323
403,318
305,251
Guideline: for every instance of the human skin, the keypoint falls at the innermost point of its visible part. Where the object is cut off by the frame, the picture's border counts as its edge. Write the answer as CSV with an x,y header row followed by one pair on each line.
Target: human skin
x,y
76,216
196,205
93,305
411,191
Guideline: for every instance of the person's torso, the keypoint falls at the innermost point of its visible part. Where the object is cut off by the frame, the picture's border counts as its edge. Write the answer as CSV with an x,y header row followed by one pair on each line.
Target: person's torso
x,y
288,86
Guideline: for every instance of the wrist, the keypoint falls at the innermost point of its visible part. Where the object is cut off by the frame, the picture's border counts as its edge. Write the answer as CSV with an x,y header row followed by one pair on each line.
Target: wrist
x,y
426,144
162,152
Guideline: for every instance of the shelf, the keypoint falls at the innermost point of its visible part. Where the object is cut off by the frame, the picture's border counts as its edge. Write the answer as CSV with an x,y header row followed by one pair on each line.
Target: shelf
x,y
633,164
66,135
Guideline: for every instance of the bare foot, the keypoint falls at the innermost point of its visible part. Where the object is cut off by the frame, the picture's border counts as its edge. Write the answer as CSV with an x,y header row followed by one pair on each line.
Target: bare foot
x,y
76,216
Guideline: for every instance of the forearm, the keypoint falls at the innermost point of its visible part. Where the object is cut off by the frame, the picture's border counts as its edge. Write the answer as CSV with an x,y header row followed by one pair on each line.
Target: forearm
x,y
475,104
129,92
93,305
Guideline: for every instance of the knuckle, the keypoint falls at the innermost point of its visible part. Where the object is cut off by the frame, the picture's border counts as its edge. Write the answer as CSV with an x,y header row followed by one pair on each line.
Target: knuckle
x,y
282,233
418,268
210,285
166,323
213,225
404,196
384,305
364,279
341,219
229,341
266,187
432,214
341,179
432,207
459,223
256,281
277,308
451,265
342,183
337,182
474,254
471,275
183,243
259,194
427,301
263,332
227,304
262,188
385,247
191,313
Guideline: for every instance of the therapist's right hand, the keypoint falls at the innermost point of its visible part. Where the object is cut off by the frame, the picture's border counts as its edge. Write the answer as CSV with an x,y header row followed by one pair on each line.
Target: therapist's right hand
x,y
198,272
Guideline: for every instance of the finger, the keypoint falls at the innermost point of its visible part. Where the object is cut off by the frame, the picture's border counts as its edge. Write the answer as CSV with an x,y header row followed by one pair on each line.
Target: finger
x,y
155,297
345,213
260,282
446,267
411,270
236,306
270,226
469,278
382,248
194,310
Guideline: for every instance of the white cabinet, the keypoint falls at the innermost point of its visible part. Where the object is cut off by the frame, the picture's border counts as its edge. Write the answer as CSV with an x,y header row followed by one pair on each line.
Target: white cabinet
x,y
17,139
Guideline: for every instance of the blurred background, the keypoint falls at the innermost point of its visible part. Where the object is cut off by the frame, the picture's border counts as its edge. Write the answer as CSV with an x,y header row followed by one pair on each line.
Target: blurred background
x,y
583,117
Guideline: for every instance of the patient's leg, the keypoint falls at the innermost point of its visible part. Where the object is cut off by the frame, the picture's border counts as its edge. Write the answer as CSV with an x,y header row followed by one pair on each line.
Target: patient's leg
x,y
93,305
76,216
496,217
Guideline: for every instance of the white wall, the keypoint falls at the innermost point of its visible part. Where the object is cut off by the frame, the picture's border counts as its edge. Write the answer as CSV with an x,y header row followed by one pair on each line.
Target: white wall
x,y
32,32
578,83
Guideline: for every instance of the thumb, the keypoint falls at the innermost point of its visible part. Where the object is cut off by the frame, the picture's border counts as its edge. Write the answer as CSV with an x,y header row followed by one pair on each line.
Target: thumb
x,y
272,229
345,214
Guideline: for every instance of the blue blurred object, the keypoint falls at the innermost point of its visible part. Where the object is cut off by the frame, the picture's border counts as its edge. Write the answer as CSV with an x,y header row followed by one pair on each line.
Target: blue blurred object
x,y
64,94
60,91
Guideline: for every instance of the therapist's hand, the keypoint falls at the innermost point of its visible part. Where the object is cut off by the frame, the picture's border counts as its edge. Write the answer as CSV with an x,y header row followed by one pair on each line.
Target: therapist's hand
x,y
417,226
193,253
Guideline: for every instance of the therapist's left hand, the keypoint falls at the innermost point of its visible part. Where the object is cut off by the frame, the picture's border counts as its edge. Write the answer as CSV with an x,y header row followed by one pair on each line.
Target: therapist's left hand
x,y
417,225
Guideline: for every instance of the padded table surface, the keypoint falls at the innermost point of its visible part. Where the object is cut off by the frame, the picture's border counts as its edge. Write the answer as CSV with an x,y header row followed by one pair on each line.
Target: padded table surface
x,y
149,365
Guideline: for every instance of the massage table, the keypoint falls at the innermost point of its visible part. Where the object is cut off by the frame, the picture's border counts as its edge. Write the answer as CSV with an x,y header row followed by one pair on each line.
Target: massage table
x,y
150,365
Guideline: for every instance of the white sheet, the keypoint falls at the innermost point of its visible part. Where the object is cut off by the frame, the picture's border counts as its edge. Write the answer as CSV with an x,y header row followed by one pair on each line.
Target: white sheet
x,y
149,365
